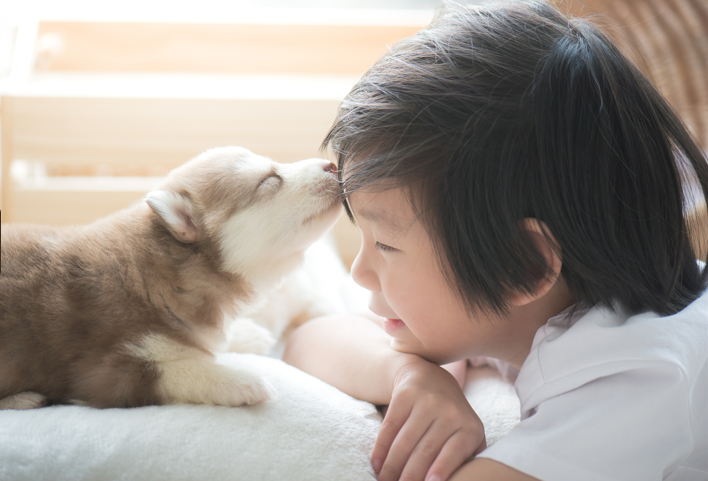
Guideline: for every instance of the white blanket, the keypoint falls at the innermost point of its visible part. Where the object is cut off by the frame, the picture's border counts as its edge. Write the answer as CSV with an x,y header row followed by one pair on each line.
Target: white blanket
x,y
311,431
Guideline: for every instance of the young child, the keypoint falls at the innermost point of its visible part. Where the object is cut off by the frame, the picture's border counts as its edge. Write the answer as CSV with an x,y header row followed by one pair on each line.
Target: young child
x,y
520,188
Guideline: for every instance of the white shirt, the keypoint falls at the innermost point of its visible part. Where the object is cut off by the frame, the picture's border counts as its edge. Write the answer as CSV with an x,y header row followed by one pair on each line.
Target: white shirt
x,y
609,397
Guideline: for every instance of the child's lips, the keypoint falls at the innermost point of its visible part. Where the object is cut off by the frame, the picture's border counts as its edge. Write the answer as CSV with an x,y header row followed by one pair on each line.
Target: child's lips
x,y
392,325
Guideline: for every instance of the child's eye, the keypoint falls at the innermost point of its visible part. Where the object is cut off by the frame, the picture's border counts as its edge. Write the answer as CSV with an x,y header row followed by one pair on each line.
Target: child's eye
x,y
384,247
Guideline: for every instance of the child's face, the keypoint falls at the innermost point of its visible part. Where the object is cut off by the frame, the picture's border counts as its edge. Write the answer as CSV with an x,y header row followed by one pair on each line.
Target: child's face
x,y
397,263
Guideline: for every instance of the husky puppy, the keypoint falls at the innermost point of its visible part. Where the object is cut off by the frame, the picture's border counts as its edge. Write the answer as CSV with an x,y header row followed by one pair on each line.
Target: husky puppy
x,y
129,310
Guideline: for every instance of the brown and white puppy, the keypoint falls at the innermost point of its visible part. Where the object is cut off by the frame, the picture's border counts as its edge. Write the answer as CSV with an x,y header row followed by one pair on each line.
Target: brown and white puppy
x,y
129,310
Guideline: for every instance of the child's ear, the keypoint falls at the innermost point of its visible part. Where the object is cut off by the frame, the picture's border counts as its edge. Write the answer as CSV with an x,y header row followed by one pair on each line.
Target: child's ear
x,y
547,246
177,213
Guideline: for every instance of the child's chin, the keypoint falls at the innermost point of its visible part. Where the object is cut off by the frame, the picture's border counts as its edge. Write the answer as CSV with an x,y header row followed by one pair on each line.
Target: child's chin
x,y
414,346
406,346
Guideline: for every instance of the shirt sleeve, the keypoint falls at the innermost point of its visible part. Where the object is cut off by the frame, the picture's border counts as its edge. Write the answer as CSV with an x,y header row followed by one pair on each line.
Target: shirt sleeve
x,y
632,425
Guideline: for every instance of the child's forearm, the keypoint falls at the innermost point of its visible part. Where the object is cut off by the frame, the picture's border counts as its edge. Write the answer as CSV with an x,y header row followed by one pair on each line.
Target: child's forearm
x,y
349,352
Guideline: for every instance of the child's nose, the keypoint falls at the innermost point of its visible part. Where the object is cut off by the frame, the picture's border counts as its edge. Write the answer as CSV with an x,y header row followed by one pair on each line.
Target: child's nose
x,y
363,274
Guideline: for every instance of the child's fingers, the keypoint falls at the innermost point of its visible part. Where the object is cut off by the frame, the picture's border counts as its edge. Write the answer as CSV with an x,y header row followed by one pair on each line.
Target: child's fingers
x,y
481,447
456,451
426,452
408,437
396,416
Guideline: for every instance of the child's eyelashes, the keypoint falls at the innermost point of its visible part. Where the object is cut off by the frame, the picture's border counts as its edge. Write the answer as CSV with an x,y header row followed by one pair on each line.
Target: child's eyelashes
x,y
384,247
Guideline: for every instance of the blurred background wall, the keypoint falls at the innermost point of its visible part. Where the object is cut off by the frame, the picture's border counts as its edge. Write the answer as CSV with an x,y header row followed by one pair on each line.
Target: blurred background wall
x,y
99,100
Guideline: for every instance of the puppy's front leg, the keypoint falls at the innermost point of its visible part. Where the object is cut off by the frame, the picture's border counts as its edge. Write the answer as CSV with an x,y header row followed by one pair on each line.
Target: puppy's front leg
x,y
189,375
244,336
197,381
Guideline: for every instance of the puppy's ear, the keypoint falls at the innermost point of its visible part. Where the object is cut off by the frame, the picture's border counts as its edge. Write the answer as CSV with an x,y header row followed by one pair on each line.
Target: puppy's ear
x,y
177,212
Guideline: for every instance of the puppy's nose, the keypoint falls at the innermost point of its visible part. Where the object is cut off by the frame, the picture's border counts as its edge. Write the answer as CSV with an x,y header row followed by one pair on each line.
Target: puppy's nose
x,y
330,167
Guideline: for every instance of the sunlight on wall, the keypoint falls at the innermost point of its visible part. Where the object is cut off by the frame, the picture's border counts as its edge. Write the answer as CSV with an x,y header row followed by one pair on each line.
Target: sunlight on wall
x,y
181,10
101,98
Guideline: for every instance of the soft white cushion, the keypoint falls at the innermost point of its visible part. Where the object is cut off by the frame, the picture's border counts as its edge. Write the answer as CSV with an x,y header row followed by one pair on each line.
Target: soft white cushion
x,y
311,431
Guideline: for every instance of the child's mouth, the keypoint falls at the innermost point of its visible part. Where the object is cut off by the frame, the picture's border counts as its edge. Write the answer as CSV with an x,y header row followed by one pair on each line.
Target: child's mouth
x,y
391,325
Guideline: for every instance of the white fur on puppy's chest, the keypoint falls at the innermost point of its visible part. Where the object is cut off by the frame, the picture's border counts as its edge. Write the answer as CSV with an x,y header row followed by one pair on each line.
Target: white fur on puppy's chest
x,y
245,336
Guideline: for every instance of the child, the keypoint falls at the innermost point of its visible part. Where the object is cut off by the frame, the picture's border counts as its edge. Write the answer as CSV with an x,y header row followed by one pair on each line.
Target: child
x,y
519,187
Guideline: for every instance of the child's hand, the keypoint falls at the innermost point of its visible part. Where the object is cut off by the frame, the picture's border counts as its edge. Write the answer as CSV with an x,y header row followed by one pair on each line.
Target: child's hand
x,y
429,430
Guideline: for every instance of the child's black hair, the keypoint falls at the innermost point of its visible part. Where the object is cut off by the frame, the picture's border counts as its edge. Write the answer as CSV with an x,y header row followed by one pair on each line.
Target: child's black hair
x,y
514,111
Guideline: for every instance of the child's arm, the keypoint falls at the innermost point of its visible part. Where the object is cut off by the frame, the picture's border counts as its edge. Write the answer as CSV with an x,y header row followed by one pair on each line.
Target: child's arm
x,y
484,469
349,352
429,427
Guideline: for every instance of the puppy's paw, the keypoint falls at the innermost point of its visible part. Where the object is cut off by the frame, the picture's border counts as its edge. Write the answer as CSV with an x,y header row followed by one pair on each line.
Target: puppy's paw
x,y
197,381
245,336
242,388
23,400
